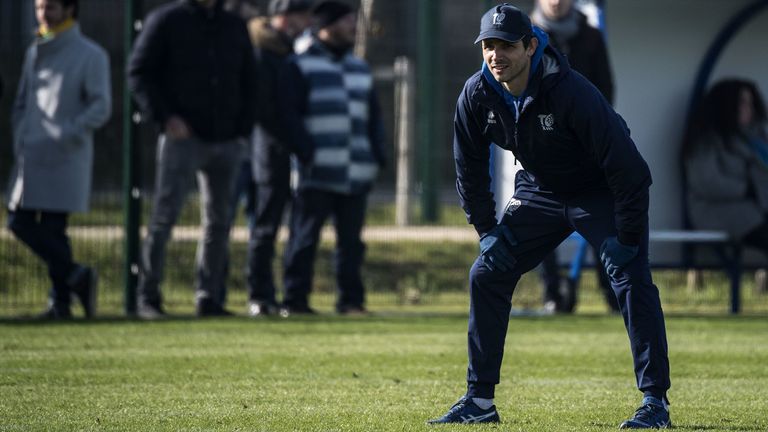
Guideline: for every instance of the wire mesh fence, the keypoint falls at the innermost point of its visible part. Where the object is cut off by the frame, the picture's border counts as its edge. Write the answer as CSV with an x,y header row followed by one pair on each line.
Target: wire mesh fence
x,y
424,270
415,273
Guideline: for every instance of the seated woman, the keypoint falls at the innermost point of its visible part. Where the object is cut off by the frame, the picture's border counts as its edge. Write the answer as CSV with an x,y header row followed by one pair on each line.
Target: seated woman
x,y
726,163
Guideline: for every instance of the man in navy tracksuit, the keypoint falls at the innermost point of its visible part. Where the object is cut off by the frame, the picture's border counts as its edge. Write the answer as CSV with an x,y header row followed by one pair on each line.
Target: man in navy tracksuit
x,y
582,172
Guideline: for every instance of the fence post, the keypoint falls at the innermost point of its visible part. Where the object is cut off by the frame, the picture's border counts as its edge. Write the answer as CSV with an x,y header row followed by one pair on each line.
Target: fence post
x,y
429,75
131,169
404,102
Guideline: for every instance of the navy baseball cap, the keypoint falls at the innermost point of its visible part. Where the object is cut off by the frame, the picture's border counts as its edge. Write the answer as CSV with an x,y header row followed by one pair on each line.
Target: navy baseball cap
x,y
504,22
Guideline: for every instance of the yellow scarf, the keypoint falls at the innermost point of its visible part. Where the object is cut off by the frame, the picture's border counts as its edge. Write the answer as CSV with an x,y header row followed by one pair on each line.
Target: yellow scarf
x,y
47,33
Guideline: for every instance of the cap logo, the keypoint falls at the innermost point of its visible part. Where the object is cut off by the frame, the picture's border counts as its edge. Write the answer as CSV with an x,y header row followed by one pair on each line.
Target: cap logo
x,y
498,18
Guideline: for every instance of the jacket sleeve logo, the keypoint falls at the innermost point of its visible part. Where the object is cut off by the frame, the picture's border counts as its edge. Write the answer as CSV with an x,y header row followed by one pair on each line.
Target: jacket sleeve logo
x,y
547,122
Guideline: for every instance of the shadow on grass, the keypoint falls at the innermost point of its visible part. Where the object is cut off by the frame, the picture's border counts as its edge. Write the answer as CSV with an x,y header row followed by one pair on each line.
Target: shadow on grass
x,y
373,317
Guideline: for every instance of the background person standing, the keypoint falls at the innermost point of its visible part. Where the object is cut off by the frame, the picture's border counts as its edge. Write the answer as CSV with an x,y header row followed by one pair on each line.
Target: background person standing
x,y
584,46
337,102
63,96
193,72
273,38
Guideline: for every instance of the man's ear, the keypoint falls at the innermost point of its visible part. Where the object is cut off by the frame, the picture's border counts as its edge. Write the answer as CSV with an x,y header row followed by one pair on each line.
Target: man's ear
x,y
533,46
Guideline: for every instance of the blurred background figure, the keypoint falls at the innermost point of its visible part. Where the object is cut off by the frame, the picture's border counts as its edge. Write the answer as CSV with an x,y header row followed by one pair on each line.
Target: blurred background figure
x,y
336,99
192,70
584,46
245,189
726,163
63,96
272,37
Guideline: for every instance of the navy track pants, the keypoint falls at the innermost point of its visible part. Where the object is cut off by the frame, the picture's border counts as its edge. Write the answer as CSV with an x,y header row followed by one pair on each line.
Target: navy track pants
x,y
540,221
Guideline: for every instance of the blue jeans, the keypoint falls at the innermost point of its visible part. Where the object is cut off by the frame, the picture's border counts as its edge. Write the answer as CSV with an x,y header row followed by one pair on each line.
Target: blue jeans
x,y
45,233
216,168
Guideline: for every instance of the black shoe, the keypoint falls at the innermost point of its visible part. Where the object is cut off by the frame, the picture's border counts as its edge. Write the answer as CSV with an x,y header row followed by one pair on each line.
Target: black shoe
x,y
352,310
259,308
287,310
207,308
84,282
466,411
652,414
150,312
54,313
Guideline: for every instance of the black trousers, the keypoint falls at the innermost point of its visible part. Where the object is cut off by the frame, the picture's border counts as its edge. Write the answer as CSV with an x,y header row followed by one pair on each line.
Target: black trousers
x,y
45,233
311,208
268,216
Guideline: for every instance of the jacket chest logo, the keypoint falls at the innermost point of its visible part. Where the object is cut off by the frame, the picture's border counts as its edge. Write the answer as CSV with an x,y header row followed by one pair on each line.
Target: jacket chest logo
x,y
547,122
513,205
491,117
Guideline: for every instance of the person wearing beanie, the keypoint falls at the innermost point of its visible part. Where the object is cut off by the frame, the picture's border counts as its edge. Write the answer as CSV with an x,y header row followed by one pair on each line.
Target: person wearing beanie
x,y
581,172
271,148
64,95
342,120
583,45
328,12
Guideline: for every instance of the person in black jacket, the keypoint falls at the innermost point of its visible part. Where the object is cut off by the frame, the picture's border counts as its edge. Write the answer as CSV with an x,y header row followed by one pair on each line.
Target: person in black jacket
x,y
583,45
581,172
193,72
272,38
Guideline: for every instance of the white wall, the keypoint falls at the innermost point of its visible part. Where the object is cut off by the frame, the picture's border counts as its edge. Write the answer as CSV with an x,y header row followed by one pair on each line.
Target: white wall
x,y
656,48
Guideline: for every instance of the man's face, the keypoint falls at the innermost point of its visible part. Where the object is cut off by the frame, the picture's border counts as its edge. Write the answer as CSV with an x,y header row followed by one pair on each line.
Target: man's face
x,y
746,111
555,9
343,31
507,60
294,23
51,12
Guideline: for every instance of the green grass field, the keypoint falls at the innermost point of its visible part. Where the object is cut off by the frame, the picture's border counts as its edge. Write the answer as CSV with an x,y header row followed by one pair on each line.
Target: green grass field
x,y
388,372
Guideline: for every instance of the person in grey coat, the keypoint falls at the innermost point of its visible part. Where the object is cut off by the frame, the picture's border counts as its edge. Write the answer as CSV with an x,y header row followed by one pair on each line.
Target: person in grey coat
x,y
63,96
726,163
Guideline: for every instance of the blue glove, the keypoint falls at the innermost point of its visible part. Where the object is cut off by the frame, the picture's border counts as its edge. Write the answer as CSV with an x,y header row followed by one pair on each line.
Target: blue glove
x,y
495,250
615,255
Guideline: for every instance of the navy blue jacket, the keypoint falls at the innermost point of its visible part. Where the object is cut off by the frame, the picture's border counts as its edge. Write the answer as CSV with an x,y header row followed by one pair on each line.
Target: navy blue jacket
x,y
197,64
568,139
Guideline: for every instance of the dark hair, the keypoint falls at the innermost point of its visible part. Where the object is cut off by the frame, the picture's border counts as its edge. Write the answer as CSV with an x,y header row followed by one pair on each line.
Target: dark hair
x,y
72,3
527,40
718,111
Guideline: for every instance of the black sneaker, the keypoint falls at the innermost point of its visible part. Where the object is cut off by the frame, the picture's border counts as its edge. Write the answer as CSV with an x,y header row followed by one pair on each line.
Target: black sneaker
x,y
150,312
351,310
287,310
208,308
54,313
84,282
259,308
652,414
466,411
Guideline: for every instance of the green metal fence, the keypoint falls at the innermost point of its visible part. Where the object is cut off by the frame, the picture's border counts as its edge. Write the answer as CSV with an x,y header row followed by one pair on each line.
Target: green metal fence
x,y
413,273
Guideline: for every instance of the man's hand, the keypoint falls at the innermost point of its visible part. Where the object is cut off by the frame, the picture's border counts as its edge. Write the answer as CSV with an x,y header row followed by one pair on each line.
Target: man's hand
x,y
495,250
615,255
176,128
